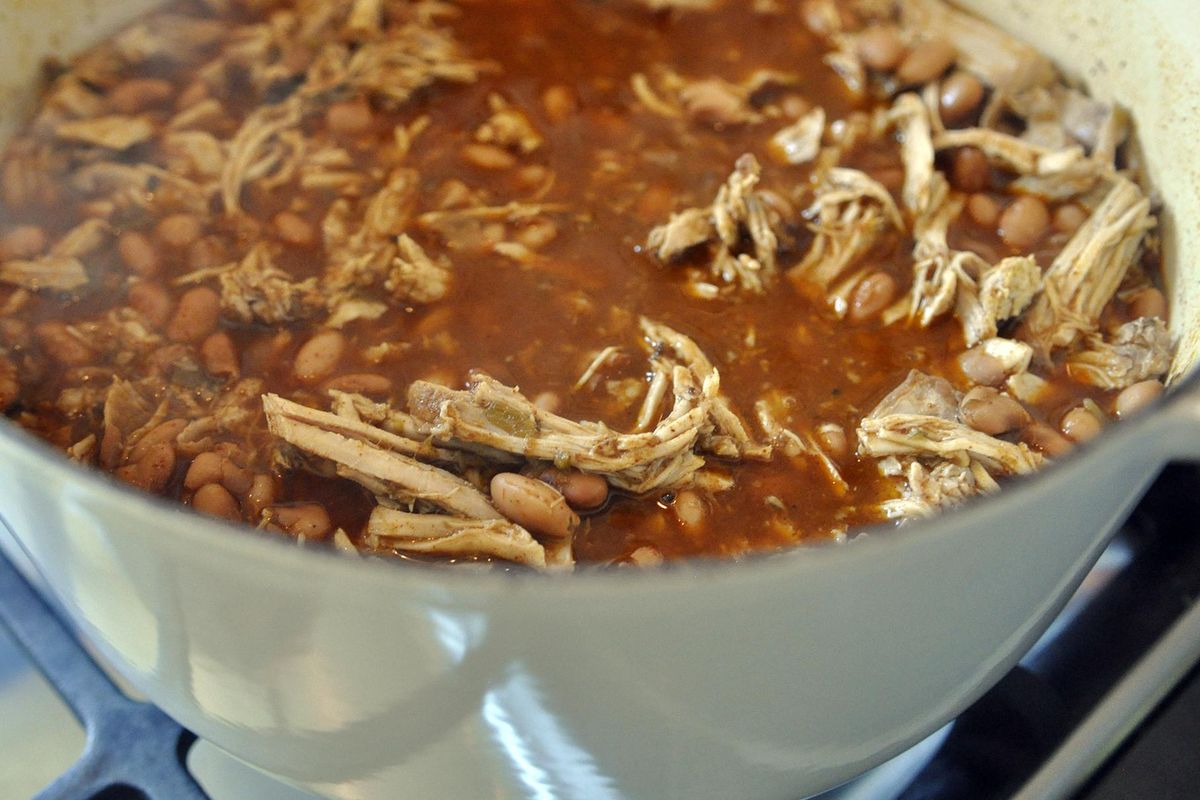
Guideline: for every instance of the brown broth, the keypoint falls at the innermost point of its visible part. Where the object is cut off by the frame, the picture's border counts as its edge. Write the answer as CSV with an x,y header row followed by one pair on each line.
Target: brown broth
x,y
620,171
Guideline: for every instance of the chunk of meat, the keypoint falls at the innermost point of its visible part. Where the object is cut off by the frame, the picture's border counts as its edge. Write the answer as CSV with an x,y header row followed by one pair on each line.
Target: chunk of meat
x,y
927,491
415,277
739,208
938,271
1139,350
689,228
266,142
921,395
61,269
916,435
1003,293
921,190
255,290
1087,272
999,59
851,210
498,417
50,272
1056,174
920,419
800,142
508,127
710,100
374,458
112,132
730,438
453,537
172,38
393,68
126,411
717,102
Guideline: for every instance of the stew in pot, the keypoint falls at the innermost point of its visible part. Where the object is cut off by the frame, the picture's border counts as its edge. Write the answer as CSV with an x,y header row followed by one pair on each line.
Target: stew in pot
x,y
541,282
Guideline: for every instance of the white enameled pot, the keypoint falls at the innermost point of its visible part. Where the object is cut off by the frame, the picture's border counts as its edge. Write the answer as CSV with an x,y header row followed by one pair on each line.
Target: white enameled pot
x,y
773,678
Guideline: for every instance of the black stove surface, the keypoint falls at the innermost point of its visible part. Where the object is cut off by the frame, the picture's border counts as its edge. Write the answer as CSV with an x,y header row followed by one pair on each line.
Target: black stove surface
x,y
998,744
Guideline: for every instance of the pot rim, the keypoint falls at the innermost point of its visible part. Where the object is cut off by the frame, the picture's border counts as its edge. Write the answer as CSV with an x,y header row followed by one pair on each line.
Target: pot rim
x,y
200,531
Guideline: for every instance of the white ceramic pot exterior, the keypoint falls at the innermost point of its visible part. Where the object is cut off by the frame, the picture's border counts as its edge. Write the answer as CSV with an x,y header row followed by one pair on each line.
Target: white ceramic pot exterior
x,y
768,679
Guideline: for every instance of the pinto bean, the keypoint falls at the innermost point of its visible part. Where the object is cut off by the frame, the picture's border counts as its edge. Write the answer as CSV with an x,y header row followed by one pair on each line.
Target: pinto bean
x,y
318,358
982,368
1080,425
961,94
834,441
646,556
364,383
1134,398
153,470
988,411
1068,218
970,170
206,253
926,61
821,18
689,509
61,345
294,229
138,254
533,504
195,92
350,118
1149,302
582,490
166,432
261,494
196,315
15,332
548,401
537,233
488,156
205,469
983,210
1024,222
1047,440
179,230
238,480
152,301
559,103
23,241
138,94
532,176
309,521
215,500
98,209
872,295
220,355
10,384
881,48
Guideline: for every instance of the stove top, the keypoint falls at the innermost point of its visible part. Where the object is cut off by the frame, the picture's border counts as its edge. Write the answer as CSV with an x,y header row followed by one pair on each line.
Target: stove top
x,y
1106,705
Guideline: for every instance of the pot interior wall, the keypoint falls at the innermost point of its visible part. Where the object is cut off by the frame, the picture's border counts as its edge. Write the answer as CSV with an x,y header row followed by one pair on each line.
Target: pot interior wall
x,y
1139,54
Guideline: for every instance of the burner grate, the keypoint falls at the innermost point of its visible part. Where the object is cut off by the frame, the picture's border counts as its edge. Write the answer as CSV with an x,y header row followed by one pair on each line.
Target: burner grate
x,y
133,750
